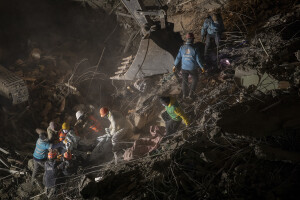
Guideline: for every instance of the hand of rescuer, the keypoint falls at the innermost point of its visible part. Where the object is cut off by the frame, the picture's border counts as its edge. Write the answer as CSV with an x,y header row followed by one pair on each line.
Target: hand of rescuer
x,y
174,69
202,70
107,131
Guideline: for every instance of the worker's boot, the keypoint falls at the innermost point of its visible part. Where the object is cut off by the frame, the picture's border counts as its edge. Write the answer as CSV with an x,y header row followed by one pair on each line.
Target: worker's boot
x,y
192,95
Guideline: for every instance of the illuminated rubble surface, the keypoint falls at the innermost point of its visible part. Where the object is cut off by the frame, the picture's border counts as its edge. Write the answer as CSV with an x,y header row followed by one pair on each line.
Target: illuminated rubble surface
x,y
244,139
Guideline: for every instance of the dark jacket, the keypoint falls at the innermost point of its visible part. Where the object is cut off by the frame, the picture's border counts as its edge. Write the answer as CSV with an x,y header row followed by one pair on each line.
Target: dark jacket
x,y
52,169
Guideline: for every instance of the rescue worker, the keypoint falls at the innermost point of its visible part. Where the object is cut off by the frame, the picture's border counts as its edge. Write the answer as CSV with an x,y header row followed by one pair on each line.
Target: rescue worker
x,y
65,128
173,114
68,136
67,164
52,132
87,124
52,169
212,29
40,153
120,129
188,55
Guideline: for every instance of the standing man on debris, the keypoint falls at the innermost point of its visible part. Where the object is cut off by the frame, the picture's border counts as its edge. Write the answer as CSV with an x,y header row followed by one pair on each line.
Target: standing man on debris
x,y
40,153
173,114
120,129
212,29
189,56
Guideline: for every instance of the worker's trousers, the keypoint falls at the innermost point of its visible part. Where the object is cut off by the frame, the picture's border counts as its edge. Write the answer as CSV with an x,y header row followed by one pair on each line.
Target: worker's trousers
x,y
50,191
209,37
171,125
185,82
121,139
37,165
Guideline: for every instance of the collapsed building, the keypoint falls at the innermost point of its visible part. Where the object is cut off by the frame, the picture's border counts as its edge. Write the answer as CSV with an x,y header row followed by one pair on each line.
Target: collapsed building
x,y
58,57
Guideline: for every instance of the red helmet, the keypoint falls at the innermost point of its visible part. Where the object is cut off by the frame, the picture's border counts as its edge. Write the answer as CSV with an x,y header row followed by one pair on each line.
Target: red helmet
x,y
103,111
52,155
190,36
68,155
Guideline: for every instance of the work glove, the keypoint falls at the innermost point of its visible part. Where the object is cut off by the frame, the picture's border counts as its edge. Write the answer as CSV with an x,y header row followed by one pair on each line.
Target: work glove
x,y
174,69
202,70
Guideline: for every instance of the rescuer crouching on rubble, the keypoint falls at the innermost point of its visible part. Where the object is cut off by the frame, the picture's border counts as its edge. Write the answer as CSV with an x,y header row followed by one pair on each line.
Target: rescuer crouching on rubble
x,y
52,170
67,165
188,55
119,130
69,138
87,124
173,114
41,152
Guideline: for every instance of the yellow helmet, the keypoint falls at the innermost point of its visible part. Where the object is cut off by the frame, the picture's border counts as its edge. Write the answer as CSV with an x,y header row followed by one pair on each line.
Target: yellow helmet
x,y
65,126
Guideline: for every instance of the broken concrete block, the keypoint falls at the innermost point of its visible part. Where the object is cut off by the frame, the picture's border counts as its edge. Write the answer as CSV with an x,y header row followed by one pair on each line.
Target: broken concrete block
x,y
36,54
140,120
246,76
267,83
283,85
30,164
175,90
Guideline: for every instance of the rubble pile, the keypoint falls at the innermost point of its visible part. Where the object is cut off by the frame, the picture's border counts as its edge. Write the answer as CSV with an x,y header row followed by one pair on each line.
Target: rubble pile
x,y
243,142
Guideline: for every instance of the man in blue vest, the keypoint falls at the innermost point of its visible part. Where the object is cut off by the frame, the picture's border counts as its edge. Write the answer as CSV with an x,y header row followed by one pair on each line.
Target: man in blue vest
x,y
189,56
41,152
212,29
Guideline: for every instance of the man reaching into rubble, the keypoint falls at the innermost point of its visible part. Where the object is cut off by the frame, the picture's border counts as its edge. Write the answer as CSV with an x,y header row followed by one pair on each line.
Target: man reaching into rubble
x,y
189,56
173,114
40,153
120,129
87,124
68,136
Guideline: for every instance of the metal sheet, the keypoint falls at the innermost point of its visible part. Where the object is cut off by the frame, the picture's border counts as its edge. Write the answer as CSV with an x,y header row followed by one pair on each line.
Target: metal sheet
x,y
150,60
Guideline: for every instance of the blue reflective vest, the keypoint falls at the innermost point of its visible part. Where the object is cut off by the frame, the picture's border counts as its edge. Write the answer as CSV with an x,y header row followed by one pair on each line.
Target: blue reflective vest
x,y
41,149
189,56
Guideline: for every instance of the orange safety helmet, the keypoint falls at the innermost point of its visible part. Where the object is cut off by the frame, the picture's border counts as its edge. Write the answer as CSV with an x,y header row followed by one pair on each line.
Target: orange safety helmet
x,y
52,154
190,36
103,111
68,155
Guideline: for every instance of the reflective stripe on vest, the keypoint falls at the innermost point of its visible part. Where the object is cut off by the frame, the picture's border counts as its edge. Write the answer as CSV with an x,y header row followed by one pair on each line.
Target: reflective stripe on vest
x,y
62,135
96,126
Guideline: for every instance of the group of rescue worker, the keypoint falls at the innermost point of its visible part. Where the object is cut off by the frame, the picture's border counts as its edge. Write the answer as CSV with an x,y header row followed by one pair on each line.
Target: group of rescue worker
x,y
54,148
58,145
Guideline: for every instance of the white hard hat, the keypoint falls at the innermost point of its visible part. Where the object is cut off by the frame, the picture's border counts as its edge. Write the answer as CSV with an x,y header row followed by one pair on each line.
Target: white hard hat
x,y
79,114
